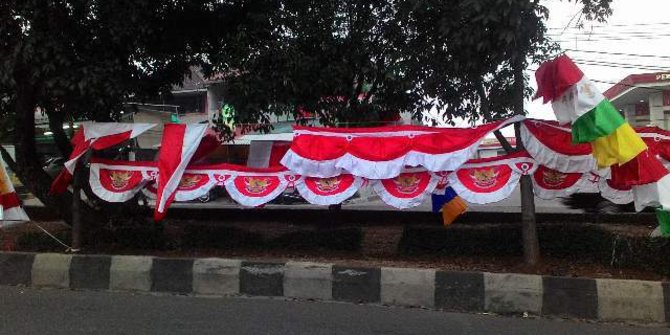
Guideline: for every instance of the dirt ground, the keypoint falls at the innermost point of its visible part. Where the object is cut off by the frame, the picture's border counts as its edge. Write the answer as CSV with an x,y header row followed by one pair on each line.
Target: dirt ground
x,y
377,251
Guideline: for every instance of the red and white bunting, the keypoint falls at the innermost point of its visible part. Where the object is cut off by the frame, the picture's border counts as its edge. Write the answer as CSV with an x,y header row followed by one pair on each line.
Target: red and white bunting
x,y
550,184
98,136
178,145
407,190
382,153
251,189
119,181
551,145
617,194
329,191
11,211
487,180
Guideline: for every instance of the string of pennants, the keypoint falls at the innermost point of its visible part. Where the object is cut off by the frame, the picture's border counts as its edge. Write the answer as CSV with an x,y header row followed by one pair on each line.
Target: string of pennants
x,y
326,166
480,181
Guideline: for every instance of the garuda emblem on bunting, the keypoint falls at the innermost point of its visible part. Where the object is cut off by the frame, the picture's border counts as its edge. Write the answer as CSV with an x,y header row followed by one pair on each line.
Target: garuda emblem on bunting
x,y
553,178
407,183
189,180
120,179
328,185
485,177
256,185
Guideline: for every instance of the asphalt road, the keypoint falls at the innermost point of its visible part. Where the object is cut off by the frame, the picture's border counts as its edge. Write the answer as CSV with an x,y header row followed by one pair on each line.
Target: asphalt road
x,y
28,311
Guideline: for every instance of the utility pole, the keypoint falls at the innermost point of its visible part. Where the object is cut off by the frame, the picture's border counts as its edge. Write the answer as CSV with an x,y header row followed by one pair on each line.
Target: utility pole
x,y
531,244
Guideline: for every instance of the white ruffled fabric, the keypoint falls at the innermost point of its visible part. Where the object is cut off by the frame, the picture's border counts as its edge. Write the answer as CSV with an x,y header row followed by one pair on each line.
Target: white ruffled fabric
x,y
404,203
117,196
554,160
388,169
331,199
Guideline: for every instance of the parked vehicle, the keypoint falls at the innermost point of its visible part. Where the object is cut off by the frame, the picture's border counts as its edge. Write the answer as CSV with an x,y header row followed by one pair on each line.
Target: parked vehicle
x,y
53,166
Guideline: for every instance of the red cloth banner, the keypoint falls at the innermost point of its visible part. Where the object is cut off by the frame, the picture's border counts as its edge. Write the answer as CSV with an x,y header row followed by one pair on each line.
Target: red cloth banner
x,y
488,180
329,191
383,152
408,189
551,145
550,184
119,181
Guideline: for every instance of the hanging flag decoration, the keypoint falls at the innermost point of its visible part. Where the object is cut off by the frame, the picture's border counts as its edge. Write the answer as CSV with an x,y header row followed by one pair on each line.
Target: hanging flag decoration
x,y
453,209
550,184
616,193
487,180
178,145
577,101
550,144
119,181
408,189
97,136
256,187
440,197
663,218
10,204
329,191
383,152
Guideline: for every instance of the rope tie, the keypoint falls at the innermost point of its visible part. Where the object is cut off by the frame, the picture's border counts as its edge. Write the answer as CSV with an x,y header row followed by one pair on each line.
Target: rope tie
x,y
67,247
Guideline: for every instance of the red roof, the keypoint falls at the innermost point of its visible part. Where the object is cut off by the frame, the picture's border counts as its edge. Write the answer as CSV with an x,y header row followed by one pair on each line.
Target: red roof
x,y
635,79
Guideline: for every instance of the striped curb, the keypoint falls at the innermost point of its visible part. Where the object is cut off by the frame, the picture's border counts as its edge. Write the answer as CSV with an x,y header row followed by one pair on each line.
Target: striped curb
x,y
603,299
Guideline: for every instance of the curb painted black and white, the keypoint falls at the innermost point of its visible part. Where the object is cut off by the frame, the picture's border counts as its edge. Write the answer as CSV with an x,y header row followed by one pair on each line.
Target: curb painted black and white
x,y
604,299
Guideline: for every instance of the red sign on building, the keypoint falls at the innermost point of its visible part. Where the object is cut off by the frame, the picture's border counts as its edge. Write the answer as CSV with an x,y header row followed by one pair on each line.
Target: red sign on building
x,y
666,98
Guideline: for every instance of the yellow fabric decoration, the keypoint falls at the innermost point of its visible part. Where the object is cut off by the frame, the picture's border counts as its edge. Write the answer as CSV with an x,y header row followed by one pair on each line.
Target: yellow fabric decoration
x,y
453,209
620,147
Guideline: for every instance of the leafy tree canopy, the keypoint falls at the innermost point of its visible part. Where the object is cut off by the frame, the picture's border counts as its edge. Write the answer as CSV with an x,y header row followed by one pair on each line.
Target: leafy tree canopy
x,y
359,60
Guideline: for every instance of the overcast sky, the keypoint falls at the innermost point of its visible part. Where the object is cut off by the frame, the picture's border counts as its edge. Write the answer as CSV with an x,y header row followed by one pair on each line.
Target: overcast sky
x,y
640,27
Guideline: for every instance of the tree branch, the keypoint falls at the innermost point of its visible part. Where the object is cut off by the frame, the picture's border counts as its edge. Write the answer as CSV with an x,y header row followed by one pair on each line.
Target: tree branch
x,y
484,107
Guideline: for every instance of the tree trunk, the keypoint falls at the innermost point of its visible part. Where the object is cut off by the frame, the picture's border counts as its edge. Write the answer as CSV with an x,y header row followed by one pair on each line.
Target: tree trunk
x,y
28,166
61,139
76,208
486,112
531,244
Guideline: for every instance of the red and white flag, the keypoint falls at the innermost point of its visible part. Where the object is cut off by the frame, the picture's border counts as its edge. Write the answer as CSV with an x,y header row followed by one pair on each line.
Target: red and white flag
x,y
179,144
10,204
98,136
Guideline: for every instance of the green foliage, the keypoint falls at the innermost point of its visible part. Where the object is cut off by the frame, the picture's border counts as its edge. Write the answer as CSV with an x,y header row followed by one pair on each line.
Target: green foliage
x,y
82,59
227,237
354,62
576,243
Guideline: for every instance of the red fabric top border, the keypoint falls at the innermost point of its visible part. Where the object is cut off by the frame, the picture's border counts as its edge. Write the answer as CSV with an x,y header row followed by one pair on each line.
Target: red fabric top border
x,y
385,143
190,168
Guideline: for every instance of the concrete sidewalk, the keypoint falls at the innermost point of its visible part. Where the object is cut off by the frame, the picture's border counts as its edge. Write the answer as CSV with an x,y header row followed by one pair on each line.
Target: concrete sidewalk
x,y
505,293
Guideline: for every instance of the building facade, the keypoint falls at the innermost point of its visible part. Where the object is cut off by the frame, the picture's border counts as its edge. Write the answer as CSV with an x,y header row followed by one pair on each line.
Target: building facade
x,y
643,99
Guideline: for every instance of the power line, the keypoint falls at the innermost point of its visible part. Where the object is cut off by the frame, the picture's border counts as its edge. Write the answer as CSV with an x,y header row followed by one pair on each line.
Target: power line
x,y
621,66
618,54
662,68
630,85
631,67
617,25
612,38
622,84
